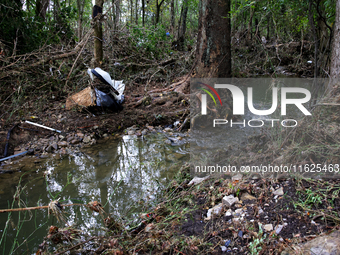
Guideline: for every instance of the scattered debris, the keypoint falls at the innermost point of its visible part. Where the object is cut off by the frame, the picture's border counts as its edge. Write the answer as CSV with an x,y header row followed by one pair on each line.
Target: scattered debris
x,y
197,180
246,196
84,98
42,126
92,96
278,192
268,227
278,229
215,211
237,177
228,201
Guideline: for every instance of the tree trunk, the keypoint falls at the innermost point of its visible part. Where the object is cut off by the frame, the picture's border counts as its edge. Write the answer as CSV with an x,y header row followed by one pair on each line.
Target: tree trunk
x,y
172,14
335,58
131,11
80,6
250,24
41,8
117,14
268,26
182,26
234,20
136,12
213,53
98,32
315,37
158,10
143,13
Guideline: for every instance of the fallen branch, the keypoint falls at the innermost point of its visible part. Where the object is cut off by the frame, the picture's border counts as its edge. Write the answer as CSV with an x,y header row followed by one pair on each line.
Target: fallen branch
x,y
34,208
74,246
69,74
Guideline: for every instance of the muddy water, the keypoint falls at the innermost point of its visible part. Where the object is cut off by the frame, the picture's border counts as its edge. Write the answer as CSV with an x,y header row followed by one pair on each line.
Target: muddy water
x,y
121,174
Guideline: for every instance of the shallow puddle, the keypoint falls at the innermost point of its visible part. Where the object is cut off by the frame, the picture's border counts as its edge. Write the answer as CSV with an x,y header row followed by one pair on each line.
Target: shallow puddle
x,y
120,174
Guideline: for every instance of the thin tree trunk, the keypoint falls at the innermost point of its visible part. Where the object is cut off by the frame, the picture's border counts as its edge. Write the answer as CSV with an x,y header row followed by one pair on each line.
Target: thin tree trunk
x,y
80,6
250,24
213,52
136,12
143,13
131,11
182,26
233,23
41,8
158,10
268,26
172,14
98,32
335,59
117,14
315,37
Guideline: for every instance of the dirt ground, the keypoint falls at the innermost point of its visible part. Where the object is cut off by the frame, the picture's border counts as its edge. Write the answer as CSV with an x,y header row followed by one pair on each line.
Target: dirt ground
x,y
163,109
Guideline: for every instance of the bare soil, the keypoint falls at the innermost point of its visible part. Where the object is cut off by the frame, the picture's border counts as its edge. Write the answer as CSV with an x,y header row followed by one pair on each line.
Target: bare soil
x,y
162,109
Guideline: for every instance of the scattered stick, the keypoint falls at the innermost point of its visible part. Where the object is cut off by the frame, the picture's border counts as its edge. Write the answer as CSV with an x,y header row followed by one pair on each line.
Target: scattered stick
x,y
69,74
74,246
35,208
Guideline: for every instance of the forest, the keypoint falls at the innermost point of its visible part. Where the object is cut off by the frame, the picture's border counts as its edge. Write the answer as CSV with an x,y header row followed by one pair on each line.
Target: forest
x,y
56,54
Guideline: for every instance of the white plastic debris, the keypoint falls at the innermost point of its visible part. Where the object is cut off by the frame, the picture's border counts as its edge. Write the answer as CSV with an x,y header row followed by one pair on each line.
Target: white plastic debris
x,y
228,201
197,180
229,212
278,192
215,211
176,123
237,177
268,227
278,229
118,86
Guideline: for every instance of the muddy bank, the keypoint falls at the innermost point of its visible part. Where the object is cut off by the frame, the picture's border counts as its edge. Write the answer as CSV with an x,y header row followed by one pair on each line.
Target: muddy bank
x,y
84,127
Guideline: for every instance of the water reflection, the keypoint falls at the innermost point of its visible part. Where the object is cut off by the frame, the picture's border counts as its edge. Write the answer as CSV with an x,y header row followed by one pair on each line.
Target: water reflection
x,y
119,174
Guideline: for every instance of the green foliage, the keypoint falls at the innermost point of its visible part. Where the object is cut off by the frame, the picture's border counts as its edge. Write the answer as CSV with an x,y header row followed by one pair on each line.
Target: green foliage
x,y
62,29
153,41
309,198
22,29
255,246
